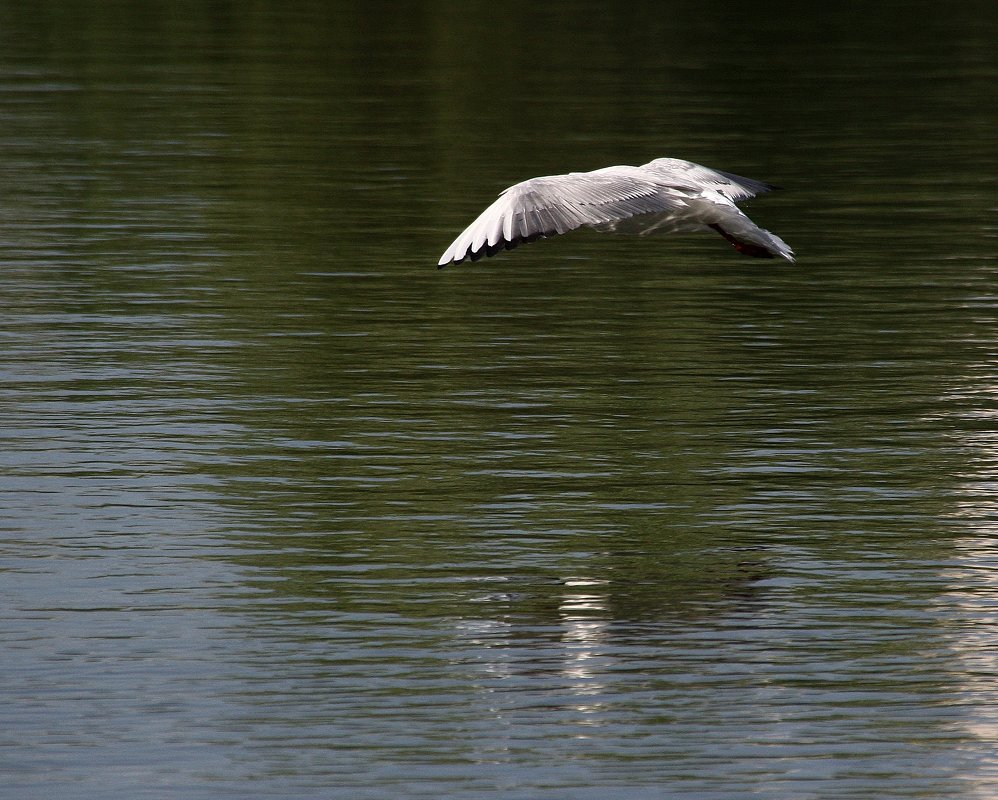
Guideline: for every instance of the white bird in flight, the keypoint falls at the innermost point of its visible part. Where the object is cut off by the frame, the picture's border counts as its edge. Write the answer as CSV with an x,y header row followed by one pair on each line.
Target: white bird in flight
x,y
667,195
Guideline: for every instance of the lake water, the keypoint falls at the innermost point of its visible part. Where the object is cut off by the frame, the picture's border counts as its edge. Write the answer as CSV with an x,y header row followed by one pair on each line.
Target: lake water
x,y
287,512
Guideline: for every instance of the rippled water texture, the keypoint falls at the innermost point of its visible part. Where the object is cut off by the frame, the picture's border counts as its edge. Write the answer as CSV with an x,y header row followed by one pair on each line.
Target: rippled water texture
x,y
288,512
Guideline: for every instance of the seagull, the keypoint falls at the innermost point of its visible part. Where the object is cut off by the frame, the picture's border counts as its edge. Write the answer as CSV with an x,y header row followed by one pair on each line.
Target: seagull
x,y
667,195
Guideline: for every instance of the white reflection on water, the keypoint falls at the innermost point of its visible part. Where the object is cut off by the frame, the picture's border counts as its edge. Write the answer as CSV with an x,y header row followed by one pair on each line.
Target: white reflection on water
x,y
566,683
973,613
583,613
972,599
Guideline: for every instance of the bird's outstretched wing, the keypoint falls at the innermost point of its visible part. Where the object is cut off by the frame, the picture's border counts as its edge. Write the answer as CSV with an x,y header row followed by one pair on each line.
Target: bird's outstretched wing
x,y
557,204
686,174
716,210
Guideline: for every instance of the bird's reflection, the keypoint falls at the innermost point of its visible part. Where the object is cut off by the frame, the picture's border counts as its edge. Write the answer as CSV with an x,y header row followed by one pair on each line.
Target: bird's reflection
x,y
584,615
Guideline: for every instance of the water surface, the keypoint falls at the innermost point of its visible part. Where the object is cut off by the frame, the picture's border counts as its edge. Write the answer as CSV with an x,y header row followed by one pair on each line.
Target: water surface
x,y
287,512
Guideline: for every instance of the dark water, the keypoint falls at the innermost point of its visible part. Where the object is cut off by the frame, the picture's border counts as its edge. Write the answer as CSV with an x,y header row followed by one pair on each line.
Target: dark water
x,y
287,512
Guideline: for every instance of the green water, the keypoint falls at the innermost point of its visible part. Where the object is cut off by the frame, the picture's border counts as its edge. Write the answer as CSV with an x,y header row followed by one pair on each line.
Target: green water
x,y
287,512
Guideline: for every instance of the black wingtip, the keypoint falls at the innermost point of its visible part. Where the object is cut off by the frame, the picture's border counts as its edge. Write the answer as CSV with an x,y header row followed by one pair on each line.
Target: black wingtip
x,y
487,250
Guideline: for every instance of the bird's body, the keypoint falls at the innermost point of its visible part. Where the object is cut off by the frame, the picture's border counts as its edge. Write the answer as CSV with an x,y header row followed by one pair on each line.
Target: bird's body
x,y
667,195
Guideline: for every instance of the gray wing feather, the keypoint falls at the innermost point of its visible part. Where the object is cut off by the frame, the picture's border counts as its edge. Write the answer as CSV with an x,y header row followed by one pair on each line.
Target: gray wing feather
x,y
716,209
686,174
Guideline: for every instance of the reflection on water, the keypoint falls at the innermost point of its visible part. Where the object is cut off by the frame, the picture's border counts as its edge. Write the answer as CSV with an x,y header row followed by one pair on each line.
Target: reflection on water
x,y
972,572
288,512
